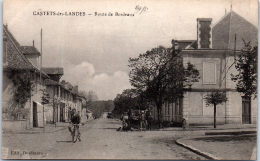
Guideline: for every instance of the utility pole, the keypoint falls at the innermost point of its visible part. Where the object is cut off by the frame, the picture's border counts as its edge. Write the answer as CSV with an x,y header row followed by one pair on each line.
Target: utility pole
x,y
41,60
235,47
43,122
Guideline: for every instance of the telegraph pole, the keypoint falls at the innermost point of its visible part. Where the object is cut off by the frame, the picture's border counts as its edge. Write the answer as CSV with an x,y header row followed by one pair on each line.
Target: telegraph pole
x,y
41,60
43,123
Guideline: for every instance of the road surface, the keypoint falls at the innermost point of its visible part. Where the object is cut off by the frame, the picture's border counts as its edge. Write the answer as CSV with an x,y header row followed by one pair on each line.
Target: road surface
x,y
100,140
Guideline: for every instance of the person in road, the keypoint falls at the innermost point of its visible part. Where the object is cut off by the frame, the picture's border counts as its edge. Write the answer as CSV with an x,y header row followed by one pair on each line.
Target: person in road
x,y
142,121
76,119
148,117
130,118
183,123
125,122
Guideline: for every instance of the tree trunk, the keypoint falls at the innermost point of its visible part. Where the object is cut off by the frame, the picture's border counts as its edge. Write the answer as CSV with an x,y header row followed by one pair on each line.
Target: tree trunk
x,y
43,116
158,115
215,115
159,112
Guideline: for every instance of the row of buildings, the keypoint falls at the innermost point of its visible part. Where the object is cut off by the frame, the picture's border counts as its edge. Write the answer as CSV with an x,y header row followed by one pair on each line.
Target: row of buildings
x,y
213,53
21,69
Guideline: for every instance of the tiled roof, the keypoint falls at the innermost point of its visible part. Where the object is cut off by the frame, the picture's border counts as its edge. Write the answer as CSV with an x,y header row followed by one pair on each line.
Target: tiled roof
x,y
30,50
193,45
224,31
53,71
14,57
183,44
51,82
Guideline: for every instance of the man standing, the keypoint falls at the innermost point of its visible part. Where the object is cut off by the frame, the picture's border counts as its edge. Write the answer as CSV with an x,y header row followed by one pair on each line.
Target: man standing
x,y
129,113
142,121
148,118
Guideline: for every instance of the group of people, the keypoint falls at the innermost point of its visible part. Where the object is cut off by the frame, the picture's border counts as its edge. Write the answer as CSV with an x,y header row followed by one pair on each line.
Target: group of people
x,y
144,119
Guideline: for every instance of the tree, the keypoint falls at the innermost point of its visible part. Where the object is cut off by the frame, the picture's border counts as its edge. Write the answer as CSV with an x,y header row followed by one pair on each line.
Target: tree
x,y
125,101
45,99
55,101
22,91
246,65
214,98
159,75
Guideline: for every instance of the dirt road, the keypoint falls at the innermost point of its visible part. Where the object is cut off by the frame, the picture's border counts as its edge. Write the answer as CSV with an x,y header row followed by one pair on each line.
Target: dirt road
x,y
100,140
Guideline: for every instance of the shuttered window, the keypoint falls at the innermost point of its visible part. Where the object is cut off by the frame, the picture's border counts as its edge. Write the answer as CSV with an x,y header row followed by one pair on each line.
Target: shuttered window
x,y
209,73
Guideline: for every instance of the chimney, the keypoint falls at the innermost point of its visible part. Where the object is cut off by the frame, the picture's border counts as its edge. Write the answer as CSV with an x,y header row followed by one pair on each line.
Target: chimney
x,y
76,89
33,43
175,44
204,33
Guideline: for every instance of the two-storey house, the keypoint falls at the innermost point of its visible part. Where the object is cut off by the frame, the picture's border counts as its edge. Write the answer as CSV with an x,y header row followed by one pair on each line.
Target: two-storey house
x,y
213,54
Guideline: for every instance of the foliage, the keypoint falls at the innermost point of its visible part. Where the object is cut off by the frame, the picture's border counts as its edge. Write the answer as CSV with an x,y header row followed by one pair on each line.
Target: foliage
x,y
56,101
128,99
45,99
98,107
22,86
246,65
16,113
216,97
191,75
22,91
159,75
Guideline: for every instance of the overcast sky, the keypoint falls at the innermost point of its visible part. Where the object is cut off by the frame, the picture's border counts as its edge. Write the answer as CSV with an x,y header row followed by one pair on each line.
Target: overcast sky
x,y
94,51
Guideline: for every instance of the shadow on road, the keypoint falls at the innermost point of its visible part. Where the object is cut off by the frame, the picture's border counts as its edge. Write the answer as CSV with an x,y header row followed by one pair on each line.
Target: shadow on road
x,y
228,138
64,141
109,128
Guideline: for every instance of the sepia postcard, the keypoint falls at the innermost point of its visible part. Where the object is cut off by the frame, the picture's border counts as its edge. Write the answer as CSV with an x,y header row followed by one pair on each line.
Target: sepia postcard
x,y
131,79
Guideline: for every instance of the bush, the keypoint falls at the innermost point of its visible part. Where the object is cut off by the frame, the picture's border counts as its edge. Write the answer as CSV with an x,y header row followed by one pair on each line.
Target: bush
x,y
166,124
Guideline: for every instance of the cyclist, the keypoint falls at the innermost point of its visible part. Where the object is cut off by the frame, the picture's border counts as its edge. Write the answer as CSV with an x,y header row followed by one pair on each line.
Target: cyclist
x,y
75,120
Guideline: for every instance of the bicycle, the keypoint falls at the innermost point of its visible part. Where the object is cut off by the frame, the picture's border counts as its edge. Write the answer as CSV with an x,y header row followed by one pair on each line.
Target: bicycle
x,y
75,133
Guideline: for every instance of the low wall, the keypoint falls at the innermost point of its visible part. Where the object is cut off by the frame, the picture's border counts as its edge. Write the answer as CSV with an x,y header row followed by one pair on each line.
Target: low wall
x,y
205,120
14,125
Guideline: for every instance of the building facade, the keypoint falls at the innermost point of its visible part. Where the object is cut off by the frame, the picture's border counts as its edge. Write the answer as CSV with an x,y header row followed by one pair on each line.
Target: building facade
x,y
21,67
213,54
16,65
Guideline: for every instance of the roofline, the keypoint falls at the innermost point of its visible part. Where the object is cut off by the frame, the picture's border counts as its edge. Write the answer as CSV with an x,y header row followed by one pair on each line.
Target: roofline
x,y
213,25
204,19
76,94
186,40
230,12
25,53
59,68
31,54
20,52
17,48
210,51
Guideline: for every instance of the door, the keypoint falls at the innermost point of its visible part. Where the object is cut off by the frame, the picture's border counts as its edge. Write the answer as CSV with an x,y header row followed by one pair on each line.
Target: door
x,y
35,117
246,110
55,116
62,112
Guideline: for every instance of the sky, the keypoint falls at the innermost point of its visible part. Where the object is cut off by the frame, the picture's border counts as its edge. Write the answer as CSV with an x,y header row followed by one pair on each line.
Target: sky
x,y
94,50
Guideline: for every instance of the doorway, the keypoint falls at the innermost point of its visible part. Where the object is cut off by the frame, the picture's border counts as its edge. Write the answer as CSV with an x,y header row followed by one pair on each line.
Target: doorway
x,y
246,110
62,112
35,117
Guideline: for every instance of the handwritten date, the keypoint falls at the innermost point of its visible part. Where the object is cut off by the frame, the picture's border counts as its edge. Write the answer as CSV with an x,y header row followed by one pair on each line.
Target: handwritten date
x,y
140,9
